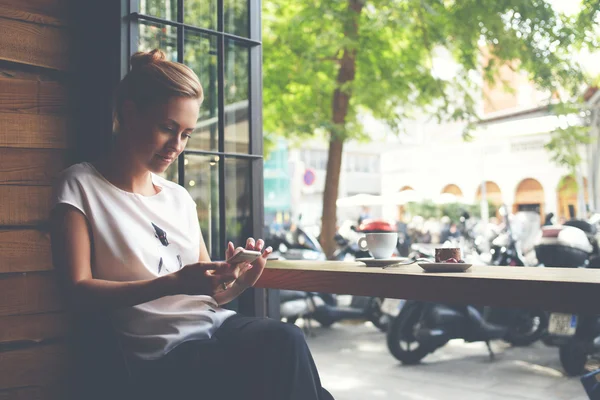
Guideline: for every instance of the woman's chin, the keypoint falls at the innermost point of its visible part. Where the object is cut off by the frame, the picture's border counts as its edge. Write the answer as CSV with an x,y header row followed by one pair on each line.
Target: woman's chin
x,y
158,166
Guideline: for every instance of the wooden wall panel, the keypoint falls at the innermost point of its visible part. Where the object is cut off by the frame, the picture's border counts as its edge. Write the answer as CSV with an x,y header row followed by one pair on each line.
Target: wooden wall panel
x,y
29,294
31,96
24,250
25,205
30,166
47,12
30,393
33,328
37,366
33,44
33,131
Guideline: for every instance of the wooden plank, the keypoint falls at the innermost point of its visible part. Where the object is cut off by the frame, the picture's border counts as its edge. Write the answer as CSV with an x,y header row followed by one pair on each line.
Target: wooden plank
x,y
30,166
36,366
572,290
49,12
33,328
24,205
31,96
25,250
29,393
34,44
33,131
33,293
55,391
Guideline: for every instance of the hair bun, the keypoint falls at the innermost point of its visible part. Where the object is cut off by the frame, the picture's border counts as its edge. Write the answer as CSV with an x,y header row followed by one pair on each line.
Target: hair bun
x,y
142,58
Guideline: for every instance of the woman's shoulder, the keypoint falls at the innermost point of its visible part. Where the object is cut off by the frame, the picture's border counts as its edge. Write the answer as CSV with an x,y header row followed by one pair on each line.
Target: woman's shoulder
x,y
75,172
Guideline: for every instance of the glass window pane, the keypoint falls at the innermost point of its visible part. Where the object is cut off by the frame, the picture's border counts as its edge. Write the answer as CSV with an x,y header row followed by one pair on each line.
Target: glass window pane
x,y
202,181
165,9
201,13
172,173
237,88
238,200
201,56
236,17
158,36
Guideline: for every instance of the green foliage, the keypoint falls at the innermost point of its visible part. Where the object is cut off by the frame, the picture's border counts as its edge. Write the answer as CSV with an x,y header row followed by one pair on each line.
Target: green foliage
x,y
304,41
428,209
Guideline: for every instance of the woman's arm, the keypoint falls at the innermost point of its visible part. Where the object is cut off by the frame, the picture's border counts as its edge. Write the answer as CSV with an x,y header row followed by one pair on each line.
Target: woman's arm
x,y
71,253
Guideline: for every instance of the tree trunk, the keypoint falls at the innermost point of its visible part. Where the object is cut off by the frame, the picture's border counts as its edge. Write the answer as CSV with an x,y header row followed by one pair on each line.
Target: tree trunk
x,y
341,100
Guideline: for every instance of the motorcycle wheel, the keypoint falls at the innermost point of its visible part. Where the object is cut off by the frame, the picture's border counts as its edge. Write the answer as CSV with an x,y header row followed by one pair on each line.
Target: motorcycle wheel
x,y
528,328
402,332
572,359
376,316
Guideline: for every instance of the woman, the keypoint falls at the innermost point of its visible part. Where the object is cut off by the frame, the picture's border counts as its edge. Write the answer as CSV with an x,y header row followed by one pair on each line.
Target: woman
x,y
129,244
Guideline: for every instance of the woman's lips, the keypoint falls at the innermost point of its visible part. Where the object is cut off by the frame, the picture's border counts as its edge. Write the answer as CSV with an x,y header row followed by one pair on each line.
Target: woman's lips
x,y
165,159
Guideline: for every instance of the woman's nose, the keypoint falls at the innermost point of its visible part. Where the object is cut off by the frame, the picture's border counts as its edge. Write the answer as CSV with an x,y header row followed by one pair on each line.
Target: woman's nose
x,y
177,144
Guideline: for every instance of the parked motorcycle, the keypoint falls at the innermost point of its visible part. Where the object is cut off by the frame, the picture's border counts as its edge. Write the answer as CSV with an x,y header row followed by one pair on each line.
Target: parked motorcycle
x,y
572,245
420,328
324,308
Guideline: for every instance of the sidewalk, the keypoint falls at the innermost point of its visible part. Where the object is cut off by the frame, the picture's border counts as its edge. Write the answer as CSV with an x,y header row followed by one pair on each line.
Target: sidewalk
x,y
355,364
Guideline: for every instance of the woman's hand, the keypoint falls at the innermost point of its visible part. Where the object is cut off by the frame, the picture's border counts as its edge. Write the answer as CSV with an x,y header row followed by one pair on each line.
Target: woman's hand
x,y
204,278
250,275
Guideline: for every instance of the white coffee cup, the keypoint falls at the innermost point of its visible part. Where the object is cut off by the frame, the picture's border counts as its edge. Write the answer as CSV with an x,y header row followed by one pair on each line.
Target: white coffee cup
x,y
381,245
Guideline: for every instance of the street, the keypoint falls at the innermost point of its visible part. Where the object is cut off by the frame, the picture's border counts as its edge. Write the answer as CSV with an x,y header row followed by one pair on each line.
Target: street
x,y
355,364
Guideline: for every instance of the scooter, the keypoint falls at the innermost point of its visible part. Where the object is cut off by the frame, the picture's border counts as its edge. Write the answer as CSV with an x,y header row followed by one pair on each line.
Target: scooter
x,y
324,308
572,245
420,328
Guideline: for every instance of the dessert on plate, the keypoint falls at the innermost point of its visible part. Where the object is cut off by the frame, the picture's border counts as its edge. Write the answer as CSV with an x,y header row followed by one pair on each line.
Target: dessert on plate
x,y
448,255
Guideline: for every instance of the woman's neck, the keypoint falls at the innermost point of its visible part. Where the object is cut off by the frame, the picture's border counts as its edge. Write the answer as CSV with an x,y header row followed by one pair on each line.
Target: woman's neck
x,y
120,169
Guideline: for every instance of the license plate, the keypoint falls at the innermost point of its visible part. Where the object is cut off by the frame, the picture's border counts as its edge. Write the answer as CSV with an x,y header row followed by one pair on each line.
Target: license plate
x,y
391,306
562,324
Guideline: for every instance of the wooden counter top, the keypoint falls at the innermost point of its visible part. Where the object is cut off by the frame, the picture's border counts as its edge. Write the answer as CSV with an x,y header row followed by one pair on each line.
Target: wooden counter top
x,y
553,289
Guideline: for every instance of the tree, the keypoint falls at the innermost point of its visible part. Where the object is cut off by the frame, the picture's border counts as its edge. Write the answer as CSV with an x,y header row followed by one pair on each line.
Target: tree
x,y
325,62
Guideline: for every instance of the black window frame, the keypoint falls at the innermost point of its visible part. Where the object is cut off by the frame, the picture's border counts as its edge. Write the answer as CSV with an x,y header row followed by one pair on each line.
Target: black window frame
x,y
253,301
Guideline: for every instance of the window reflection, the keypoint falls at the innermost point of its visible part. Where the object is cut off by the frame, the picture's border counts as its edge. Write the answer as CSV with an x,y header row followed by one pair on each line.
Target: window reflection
x,y
236,17
201,13
202,181
158,36
165,9
201,56
238,203
237,128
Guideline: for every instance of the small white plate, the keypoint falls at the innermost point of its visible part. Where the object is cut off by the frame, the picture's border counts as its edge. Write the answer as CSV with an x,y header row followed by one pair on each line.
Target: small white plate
x,y
445,267
381,262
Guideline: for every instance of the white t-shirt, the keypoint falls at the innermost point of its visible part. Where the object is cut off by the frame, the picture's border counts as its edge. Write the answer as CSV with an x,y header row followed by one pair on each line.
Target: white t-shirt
x,y
136,237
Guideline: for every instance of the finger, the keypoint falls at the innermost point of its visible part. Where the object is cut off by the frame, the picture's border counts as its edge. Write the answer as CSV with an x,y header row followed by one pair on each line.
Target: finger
x,y
246,269
250,244
212,266
267,252
230,250
259,245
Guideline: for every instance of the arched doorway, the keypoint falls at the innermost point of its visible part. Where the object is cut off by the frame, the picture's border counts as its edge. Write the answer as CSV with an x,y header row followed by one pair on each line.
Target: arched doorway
x,y
493,195
567,197
452,189
529,197
401,208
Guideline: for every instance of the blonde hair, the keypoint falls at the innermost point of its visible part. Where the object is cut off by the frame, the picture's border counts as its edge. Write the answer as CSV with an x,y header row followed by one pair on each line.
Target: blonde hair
x,y
154,79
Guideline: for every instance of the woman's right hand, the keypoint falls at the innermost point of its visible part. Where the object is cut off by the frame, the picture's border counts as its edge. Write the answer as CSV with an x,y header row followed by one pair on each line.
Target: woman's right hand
x,y
204,278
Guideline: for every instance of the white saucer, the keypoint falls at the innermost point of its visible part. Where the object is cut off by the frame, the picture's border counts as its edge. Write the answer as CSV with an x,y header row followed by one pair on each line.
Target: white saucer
x,y
381,262
445,267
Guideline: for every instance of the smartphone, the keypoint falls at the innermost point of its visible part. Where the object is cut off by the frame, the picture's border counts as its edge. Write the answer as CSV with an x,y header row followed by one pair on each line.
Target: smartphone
x,y
243,256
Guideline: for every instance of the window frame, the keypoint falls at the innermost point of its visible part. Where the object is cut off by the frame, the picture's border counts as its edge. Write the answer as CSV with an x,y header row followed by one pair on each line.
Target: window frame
x,y
254,301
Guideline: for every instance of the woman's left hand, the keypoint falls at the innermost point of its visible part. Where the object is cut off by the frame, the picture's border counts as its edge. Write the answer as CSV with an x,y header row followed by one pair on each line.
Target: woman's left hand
x,y
250,275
